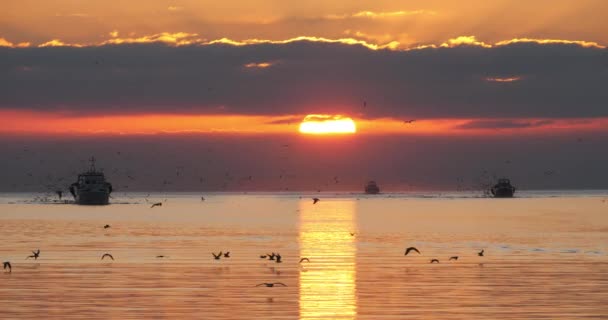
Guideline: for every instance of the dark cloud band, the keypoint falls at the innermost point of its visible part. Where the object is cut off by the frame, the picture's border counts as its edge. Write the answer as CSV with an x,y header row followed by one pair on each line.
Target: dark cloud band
x,y
554,80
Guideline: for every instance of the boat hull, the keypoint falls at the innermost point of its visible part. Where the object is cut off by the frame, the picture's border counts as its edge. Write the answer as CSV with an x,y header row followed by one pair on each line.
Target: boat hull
x,y
93,198
503,192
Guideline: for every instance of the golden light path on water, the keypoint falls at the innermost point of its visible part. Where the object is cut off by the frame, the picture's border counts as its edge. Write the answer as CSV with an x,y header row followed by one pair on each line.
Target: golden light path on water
x,y
325,237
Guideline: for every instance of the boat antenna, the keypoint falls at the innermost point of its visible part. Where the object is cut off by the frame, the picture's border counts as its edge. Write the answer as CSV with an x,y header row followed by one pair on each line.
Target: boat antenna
x,y
92,160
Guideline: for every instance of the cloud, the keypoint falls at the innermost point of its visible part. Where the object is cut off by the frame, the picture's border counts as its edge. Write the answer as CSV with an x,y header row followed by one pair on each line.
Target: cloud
x,y
6,43
378,15
504,124
258,65
57,43
317,75
503,79
176,38
175,8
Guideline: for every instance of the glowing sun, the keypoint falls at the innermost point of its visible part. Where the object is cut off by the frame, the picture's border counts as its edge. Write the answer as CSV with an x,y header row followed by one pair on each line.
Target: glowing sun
x,y
327,124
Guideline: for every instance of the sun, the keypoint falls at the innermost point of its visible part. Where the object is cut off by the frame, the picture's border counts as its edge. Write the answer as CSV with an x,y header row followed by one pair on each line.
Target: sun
x,y
327,124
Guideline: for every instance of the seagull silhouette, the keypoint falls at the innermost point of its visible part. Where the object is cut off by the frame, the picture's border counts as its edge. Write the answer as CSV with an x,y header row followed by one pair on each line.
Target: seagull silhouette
x,y
279,258
453,258
304,259
271,284
480,253
227,254
107,255
434,261
107,226
7,265
263,256
35,255
315,200
409,121
158,204
410,249
271,256
217,256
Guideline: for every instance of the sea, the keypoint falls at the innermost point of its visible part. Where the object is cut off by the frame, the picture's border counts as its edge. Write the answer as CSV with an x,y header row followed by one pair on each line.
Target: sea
x,y
545,256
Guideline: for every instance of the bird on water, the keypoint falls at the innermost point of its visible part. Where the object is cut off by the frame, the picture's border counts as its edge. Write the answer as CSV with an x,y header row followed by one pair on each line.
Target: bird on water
x,y
35,255
271,284
107,255
408,250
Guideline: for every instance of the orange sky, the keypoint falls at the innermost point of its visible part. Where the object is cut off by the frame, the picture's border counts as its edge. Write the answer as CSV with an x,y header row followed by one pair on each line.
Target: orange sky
x,y
393,23
29,122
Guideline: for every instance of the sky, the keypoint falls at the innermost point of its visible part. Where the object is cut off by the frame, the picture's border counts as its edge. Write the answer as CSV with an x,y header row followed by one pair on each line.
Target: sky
x,y
445,95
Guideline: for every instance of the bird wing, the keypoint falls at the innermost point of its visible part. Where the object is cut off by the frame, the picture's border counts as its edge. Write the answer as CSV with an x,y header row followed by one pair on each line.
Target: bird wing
x,y
261,284
281,283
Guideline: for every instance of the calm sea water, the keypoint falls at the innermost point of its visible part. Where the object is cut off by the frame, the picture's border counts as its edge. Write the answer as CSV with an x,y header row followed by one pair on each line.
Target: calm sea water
x,y
546,257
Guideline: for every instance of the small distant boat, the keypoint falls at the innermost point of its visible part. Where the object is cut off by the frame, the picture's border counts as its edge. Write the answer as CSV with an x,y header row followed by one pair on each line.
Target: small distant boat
x,y
91,188
503,189
372,188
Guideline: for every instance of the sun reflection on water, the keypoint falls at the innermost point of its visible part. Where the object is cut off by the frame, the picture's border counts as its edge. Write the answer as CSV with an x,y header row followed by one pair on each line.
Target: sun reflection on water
x,y
328,290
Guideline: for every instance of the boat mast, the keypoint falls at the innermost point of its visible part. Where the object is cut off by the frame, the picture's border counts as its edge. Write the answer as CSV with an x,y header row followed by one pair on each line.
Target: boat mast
x,y
92,168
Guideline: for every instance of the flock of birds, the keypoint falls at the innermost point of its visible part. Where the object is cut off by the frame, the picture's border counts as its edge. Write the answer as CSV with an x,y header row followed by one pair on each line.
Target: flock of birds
x,y
276,257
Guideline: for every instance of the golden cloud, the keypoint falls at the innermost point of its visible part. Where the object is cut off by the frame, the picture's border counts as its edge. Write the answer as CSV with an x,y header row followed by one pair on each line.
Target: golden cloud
x,y
585,44
6,43
58,43
177,39
378,15
261,65
503,79
370,41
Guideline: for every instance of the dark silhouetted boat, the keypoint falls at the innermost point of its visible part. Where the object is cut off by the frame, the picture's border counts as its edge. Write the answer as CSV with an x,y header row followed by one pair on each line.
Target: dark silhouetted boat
x,y
503,189
91,187
372,188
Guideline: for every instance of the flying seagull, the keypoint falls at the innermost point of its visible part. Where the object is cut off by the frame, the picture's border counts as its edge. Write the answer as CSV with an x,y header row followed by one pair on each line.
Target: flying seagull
x,y
410,249
409,121
352,234
480,253
227,254
279,258
158,204
161,256
271,256
107,226
35,255
271,284
8,265
315,200
453,258
107,255
304,259
263,256
434,261
217,256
